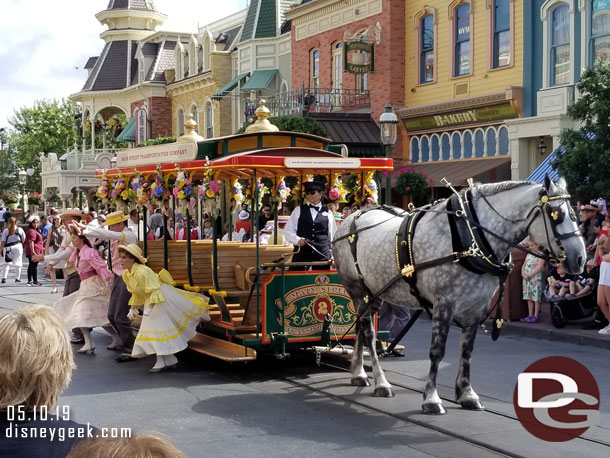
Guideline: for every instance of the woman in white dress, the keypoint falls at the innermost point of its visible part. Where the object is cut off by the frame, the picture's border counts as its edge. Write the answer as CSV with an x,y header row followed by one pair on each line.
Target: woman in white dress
x,y
11,247
603,289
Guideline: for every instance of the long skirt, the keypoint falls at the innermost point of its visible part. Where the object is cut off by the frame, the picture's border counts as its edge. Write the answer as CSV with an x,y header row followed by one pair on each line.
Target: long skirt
x,y
170,324
87,307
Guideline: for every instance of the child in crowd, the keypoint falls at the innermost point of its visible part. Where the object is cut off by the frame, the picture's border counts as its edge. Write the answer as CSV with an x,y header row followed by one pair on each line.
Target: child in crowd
x,y
585,282
532,283
559,283
170,316
208,231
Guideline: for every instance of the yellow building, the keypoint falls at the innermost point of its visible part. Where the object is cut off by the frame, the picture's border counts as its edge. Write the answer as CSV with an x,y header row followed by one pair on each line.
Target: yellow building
x,y
464,78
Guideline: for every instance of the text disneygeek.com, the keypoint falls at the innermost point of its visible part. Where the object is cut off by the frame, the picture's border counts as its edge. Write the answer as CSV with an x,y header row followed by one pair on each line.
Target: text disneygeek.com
x,y
60,433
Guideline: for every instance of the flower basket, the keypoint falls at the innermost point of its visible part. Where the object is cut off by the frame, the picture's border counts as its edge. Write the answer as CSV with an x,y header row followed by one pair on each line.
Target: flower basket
x,y
159,190
209,192
10,198
413,184
34,199
183,191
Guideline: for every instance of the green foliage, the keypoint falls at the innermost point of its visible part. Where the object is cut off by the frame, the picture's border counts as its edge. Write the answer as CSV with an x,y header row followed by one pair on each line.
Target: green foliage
x,y
586,152
294,124
47,127
413,184
157,141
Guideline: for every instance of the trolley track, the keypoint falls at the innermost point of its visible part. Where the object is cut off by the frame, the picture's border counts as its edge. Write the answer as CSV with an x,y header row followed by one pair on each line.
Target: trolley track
x,y
429,423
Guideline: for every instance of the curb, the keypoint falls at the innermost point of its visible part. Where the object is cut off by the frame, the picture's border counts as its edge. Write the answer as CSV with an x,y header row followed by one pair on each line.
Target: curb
x,y
577,337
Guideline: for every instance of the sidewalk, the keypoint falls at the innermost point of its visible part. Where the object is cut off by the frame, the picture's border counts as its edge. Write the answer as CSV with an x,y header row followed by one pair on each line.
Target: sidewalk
x,y
572,333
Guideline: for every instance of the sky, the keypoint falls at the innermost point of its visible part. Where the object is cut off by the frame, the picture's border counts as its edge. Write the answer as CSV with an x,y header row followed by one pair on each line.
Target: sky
x,y
44,44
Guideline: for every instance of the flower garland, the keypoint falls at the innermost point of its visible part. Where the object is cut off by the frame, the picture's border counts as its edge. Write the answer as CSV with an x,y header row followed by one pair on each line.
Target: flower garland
x,y
102,192
280,194
141,189
209,191
183,190
160,190
121,193
370,188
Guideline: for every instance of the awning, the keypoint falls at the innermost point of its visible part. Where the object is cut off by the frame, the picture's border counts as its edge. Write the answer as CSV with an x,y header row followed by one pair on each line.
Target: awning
x,y
220,93
457,172
129,132
545,168
260,79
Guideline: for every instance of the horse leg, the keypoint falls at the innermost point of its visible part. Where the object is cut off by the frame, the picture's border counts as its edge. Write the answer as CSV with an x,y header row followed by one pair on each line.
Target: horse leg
x,y
381,385
359,377
464,394
440,328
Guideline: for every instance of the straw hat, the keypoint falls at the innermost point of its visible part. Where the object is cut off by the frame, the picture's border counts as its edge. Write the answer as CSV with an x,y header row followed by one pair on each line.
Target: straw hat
x,y
244,215
134,250
72,212
115,217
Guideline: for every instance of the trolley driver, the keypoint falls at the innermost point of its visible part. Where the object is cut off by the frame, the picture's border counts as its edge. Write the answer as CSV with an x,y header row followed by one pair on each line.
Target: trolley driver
x,y
311,228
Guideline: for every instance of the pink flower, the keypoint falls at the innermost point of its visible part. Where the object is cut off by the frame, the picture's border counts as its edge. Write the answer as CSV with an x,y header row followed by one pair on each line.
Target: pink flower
x,y
214,186
175,191
408,188
385,174
333,194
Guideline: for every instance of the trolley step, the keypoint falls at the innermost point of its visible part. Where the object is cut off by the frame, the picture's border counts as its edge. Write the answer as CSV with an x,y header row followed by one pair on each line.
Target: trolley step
x,y
221,349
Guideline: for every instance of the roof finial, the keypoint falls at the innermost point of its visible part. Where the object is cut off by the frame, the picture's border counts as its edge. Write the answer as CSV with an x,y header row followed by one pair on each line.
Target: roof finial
x,y
262,124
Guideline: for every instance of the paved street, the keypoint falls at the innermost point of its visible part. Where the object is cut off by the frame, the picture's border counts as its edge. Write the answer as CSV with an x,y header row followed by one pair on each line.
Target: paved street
x,y
295,409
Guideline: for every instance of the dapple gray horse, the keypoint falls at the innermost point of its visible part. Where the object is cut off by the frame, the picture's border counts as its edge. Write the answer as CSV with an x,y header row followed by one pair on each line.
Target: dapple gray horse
x,y
508,209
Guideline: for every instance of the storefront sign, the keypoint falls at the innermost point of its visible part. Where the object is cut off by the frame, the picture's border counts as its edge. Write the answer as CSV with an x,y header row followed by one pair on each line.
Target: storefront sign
x,y
363,60
475,115
171,152
321,163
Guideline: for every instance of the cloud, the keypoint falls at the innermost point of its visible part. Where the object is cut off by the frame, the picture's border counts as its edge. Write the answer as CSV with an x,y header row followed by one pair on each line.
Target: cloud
x,y
43,42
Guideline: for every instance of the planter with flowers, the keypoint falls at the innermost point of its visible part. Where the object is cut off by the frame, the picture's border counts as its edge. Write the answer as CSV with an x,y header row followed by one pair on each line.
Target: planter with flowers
x,y
412,184
10,199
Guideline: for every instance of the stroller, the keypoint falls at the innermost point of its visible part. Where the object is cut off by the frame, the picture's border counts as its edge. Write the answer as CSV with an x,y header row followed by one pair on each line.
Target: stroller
x,y
574,308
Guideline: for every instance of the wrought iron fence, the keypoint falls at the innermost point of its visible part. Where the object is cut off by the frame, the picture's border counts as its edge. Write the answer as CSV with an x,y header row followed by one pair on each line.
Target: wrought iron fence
x,y
319,100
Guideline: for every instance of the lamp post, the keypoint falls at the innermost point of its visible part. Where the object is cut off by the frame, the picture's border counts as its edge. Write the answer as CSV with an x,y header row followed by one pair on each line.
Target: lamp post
x,y
23,175
388,123
541,147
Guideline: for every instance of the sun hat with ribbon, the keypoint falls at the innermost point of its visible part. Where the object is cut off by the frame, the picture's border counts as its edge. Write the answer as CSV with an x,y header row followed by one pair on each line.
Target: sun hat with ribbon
x,y
134,250
115,217
244,215
75,213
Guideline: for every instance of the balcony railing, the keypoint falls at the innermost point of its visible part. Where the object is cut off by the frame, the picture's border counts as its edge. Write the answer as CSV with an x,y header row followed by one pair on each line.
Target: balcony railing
x,y
320,100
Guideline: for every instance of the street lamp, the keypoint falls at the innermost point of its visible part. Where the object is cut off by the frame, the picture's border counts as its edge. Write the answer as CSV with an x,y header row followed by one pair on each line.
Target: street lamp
x,y
541,147
389,131
23,176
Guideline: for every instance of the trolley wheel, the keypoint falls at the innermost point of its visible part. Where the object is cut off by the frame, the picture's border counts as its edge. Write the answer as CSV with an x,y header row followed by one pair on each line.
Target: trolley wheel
x,y
557,317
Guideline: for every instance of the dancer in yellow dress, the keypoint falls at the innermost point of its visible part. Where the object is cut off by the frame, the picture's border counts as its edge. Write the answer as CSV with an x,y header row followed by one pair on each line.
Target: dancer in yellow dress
x,y
170,315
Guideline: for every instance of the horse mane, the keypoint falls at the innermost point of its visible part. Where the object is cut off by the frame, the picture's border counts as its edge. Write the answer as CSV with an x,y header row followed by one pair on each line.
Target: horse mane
x,y
494,188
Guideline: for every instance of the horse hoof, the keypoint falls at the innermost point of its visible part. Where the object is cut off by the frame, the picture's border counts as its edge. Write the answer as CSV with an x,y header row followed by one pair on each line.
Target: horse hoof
x,y
383,392
433,409
360,381
472,404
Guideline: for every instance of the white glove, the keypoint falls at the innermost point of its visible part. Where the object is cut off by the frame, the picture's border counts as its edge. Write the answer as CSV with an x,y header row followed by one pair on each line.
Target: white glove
x,y
132,314
147,311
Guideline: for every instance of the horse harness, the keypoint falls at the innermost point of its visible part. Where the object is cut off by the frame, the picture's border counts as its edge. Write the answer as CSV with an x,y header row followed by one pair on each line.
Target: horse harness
x,y
470,246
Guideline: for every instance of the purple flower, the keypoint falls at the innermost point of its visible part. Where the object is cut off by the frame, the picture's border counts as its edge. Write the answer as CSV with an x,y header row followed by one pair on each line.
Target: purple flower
x,y
158,191
187,190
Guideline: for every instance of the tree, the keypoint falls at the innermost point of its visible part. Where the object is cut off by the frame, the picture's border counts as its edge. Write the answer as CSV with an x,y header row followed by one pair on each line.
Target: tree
x,y
47,127
583,160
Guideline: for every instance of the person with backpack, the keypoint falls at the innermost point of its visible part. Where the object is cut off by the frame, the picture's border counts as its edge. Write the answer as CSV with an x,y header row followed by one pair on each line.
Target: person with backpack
x,y
11,247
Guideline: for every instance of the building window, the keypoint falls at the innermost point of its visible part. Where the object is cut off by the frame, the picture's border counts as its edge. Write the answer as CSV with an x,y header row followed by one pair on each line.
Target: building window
x,y
209,120
314,70
180,122
462,40
501,33
600,30
560,45
338,66
426,49
362,79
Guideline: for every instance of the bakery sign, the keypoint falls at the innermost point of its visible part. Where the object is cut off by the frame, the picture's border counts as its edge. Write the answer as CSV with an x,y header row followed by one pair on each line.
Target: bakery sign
x,y
472,116
170,152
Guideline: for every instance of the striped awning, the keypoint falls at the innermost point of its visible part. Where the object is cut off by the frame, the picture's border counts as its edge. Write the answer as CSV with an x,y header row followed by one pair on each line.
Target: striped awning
x,y
545,168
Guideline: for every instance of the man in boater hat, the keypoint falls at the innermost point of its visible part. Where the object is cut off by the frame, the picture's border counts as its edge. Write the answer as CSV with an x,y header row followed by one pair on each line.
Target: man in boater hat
x,y
118,234
311,228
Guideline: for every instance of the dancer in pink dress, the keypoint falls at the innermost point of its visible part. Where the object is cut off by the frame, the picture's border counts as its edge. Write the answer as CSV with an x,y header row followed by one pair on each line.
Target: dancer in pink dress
x,y
88,307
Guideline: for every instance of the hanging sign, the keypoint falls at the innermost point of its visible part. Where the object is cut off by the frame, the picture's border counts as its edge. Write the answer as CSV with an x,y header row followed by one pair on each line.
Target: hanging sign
x,y
362,59
141,126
